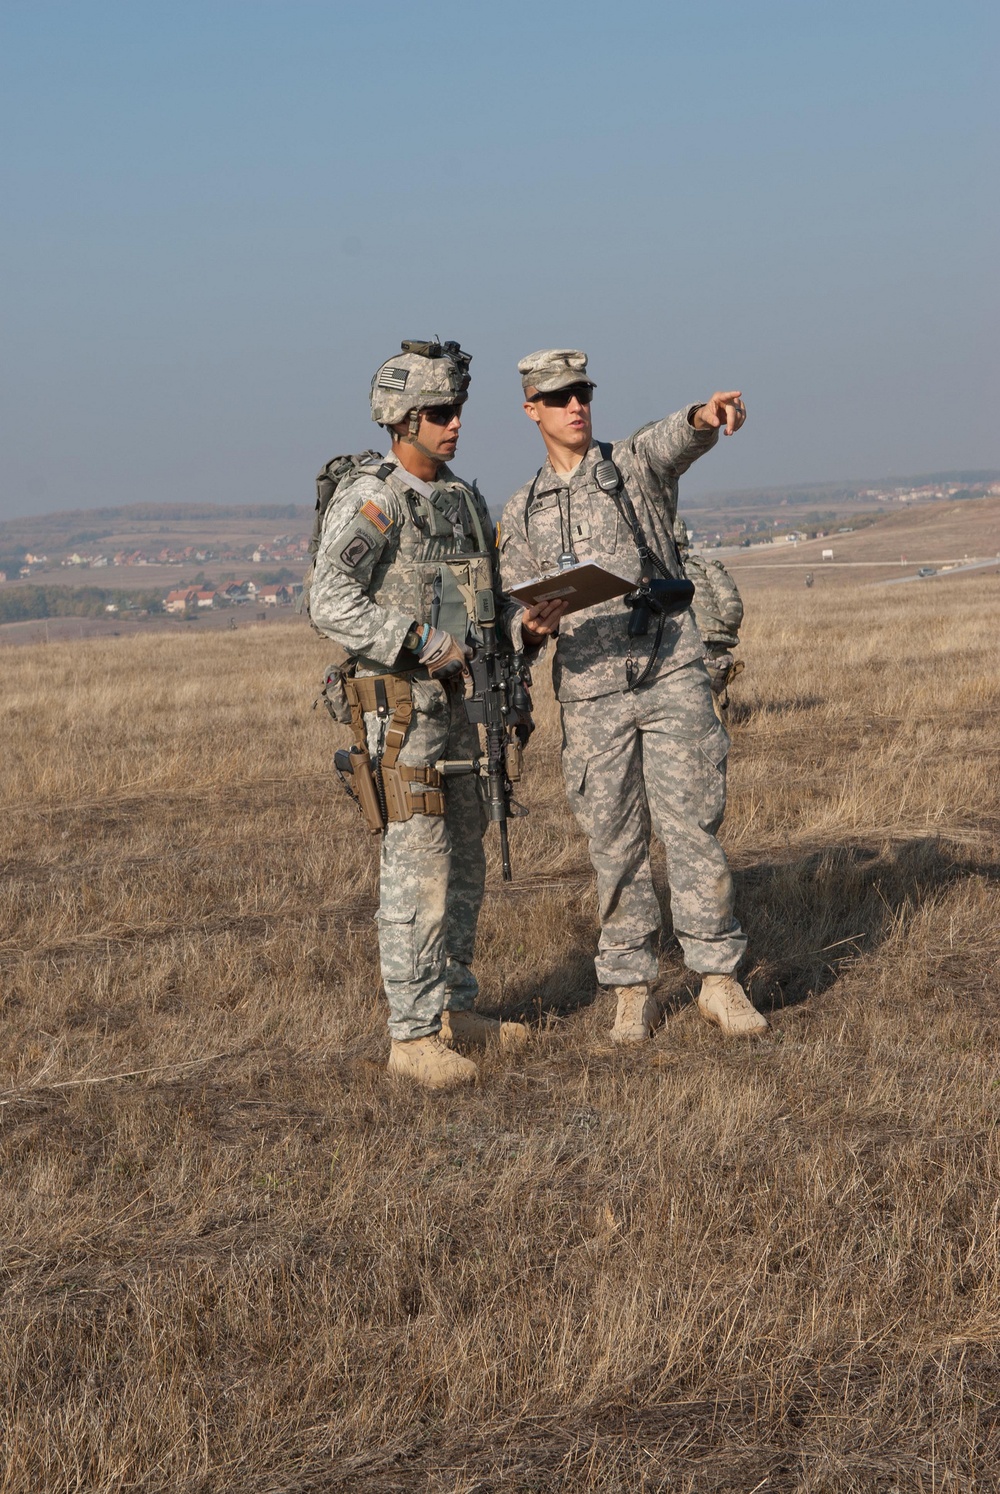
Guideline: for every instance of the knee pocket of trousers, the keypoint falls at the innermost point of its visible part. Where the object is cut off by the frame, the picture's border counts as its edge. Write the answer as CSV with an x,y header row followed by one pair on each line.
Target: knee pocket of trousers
x,y
578,776
714,745
398,942
686,778
713,749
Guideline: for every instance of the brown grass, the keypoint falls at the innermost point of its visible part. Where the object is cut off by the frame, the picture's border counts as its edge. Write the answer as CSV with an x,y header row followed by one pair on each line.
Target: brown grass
x,y
236,1259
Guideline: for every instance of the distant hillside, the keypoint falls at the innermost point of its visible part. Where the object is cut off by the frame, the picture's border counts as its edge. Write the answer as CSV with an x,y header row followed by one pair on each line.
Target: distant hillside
x,y
831,492
90,525
897,544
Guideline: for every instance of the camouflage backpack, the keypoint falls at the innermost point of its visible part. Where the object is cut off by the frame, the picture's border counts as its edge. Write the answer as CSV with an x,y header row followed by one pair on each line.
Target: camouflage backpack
x,y
329,480
717,608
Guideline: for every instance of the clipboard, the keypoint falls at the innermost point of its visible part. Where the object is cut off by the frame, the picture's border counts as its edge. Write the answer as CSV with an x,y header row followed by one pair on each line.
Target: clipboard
x,y
582,585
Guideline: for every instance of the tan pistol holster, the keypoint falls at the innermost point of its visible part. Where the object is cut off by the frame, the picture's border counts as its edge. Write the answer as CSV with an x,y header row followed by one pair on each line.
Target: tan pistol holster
x,y
398,791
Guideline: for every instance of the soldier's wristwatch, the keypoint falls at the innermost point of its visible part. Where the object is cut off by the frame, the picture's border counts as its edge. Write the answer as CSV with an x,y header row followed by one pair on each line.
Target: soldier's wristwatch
x,y
414,639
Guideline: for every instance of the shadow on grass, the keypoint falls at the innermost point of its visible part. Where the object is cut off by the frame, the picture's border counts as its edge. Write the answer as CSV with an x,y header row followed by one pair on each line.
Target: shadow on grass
x,y
808,921
555,990
739,712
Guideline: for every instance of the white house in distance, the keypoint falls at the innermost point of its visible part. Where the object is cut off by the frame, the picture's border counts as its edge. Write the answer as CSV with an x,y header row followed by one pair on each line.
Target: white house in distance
x,y
240,591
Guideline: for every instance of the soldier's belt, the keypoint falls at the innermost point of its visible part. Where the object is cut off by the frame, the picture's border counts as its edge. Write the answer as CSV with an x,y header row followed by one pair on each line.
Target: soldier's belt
x,y
379,692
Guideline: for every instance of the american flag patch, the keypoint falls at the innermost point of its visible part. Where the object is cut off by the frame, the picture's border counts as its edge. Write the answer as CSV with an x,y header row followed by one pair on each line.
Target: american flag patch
x,y
374,514
393,378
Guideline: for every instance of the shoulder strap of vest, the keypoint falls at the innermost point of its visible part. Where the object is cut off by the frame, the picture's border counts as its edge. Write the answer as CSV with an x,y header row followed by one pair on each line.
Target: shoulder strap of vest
x,y
381,472
350,478
413,499
485,537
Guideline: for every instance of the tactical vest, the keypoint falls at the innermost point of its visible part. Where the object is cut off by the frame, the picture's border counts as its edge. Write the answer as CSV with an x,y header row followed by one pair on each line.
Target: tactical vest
x,y
443,559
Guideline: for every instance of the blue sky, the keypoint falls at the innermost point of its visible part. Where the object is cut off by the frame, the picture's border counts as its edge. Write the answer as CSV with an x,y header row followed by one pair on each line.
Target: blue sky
x,y
220,217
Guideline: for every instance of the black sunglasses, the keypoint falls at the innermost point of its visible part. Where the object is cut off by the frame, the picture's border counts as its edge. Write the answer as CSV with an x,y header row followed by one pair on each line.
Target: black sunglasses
x,y
442,414
560,398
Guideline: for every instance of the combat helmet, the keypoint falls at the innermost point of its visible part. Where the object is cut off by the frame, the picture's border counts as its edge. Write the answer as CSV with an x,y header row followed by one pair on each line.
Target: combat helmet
x,y
421,375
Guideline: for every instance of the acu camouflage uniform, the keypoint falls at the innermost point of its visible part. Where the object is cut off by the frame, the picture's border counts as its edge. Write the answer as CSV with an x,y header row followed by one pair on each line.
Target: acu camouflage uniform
x,y
634,760
392,550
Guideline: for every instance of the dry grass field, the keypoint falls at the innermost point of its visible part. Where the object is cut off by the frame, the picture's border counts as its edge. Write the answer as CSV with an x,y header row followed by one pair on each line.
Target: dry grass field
x,y
235,1258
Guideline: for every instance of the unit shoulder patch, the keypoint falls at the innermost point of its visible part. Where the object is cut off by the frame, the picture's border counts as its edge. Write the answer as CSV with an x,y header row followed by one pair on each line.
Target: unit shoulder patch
x,y
355,550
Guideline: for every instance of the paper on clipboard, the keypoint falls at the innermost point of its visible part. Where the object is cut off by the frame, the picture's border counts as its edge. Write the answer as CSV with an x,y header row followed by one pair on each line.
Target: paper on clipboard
x,y
582,585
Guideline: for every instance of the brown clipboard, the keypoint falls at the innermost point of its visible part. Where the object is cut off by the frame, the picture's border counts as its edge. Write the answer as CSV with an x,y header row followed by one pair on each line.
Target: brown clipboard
x,y
582,585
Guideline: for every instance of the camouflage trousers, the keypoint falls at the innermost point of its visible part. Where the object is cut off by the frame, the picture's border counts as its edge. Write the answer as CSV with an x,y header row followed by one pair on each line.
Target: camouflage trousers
x,y
432,874
654,759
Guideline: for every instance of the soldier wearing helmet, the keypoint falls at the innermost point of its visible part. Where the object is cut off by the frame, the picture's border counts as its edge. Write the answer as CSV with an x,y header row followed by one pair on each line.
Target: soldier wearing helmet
x,y
406,548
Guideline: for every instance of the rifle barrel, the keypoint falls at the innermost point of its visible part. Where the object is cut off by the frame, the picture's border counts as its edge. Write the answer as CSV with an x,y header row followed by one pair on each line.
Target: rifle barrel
x,y
504,850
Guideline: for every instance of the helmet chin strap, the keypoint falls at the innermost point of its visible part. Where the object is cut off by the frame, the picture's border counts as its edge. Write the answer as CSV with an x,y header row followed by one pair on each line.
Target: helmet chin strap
x,y
413,425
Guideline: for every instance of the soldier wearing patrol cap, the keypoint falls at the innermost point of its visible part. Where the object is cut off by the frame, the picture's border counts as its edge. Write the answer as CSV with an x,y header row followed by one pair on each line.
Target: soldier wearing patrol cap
x,y
406,548
643,745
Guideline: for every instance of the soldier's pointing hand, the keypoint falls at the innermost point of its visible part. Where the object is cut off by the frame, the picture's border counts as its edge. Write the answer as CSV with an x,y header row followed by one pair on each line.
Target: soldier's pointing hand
x,y
724,406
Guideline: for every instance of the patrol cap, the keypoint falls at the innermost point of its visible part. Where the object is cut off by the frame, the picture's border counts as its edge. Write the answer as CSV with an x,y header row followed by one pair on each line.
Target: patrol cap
x,y
552,369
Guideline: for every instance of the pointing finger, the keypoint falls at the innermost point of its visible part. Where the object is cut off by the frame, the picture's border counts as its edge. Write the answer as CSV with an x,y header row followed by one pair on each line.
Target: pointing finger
x,y
735,415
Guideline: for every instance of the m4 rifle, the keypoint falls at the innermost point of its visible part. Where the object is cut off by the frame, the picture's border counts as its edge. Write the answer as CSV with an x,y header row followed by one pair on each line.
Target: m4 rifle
x,y
500,703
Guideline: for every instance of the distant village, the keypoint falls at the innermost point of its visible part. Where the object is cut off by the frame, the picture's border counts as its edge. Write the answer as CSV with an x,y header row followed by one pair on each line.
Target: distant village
x,y
283,550
768,529
931,492
291,551
190,599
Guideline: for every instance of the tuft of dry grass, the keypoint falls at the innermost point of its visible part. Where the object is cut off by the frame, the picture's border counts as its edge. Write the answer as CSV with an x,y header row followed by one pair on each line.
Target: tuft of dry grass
x,y
235,1258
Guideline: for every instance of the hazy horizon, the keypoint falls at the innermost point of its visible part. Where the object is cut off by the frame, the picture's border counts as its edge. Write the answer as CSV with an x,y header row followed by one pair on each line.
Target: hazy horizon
x,y
221,218
694,500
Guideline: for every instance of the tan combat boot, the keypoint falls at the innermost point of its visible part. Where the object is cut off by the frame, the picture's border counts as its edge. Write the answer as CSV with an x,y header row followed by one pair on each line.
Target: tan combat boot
x,y
636,1014
428,1062
722,1000
477,1030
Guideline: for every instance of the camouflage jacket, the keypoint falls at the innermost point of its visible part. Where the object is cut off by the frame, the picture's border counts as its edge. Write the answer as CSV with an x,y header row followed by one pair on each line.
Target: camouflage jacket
x,y
395,551
593,644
